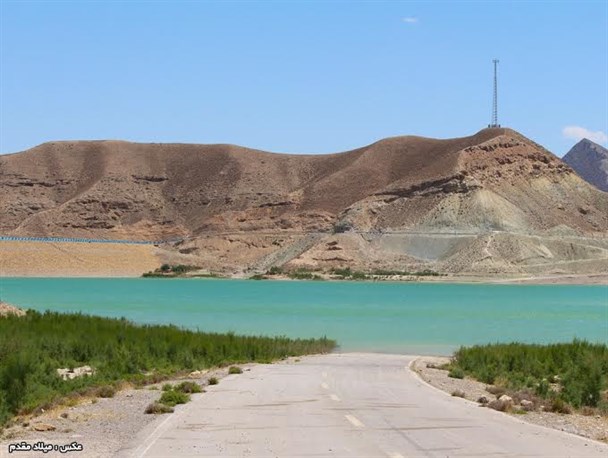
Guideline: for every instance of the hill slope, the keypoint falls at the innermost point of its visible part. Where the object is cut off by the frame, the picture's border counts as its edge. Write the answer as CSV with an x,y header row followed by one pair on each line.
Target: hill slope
x,y
590,161
241,205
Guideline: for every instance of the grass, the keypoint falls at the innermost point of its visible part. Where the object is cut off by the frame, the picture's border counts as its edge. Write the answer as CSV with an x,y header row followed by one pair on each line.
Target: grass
x,y
567,374
213,381
34,346
235,370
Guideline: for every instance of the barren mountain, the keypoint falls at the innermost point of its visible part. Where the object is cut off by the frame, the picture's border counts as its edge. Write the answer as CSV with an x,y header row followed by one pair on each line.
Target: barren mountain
x,y
479,203
590,161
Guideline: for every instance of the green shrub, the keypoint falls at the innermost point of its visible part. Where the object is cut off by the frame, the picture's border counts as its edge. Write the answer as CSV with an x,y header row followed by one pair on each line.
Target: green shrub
x,y
171,398
579,368
559,406
346,272
456,372
213,381
257,277
275,270
167,387
235,370
158,408
189,387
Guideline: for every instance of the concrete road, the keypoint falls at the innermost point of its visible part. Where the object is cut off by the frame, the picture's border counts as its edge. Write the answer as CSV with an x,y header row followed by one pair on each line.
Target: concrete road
x,y
345,405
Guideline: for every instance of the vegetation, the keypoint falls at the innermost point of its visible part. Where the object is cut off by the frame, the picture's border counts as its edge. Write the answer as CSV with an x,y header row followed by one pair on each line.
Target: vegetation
x,y
405,273
189,387
34,346
573,373
169,271
342,273
158,408
348,274
456,372
303,274
173,397
213,381
235,370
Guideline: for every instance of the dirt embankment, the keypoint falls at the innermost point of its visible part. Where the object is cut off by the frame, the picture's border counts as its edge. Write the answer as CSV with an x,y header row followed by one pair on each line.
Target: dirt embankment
x,y
42,259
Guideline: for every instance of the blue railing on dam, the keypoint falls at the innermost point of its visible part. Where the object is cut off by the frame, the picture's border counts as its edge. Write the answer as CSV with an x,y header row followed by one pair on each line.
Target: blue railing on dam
x,y
15,238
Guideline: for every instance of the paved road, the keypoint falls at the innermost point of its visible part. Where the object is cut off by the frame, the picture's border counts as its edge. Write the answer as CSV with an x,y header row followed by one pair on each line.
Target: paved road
x,y
344,405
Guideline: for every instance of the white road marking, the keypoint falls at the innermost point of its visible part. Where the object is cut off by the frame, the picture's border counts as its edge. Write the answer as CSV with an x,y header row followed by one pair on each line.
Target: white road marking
x,y
334,397
325,386
355,421
394,455
152,438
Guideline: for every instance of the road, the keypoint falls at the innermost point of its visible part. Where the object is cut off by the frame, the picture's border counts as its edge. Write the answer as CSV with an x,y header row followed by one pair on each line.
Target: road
x,y
344,405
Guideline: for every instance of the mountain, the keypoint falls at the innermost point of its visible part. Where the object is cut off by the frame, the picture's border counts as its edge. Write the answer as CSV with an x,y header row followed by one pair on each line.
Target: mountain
x,y
590,161
491,202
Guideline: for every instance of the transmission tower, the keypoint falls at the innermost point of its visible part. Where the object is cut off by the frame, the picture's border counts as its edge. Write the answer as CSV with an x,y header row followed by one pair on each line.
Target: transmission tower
x,y
494,122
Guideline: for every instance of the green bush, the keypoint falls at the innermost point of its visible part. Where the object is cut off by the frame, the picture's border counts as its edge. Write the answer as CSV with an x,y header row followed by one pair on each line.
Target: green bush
x,y
213,381
303,274
579,368
171,398
34,346
456,372
167,387
235,370
189,387
275,270
158,408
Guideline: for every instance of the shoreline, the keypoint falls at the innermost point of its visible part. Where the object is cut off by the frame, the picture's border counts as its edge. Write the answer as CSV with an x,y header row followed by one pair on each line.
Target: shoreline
x,y
572,280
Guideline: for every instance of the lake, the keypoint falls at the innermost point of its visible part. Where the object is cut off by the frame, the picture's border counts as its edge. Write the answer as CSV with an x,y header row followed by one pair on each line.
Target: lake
x,y
418,318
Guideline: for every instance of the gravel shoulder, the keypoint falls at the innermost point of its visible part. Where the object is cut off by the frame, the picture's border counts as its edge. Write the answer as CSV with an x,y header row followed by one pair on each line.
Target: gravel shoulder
x,y
102,425
592,427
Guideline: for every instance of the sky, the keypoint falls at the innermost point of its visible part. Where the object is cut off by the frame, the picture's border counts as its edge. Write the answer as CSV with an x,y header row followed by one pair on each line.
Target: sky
x,y
300,77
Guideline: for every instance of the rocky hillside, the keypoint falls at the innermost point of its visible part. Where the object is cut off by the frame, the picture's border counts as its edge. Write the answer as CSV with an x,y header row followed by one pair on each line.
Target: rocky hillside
x,y
590,161
399,202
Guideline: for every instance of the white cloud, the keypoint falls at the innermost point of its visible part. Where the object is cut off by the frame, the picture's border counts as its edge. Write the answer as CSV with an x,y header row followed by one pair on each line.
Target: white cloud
x,y
410,20
578,133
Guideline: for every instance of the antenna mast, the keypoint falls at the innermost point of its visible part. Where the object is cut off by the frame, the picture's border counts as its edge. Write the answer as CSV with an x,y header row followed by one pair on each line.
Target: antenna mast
x,y
495,99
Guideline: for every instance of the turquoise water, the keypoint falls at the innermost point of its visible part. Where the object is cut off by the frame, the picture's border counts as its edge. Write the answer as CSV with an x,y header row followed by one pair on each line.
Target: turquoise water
x,y
422,318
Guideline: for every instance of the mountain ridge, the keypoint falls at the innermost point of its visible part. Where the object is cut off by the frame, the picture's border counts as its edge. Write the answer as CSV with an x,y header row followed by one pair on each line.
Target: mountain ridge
x,y
494,181
590,161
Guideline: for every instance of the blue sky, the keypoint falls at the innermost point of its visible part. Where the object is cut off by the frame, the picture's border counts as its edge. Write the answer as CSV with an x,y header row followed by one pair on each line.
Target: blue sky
x,y
299,76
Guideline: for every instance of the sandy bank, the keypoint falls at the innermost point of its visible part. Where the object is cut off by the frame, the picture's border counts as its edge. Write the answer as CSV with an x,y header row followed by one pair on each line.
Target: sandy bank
x,y
45,259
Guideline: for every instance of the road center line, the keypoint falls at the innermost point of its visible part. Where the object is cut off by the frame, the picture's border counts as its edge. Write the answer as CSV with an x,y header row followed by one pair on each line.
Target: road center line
x,y
334,397
325,386
355,422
